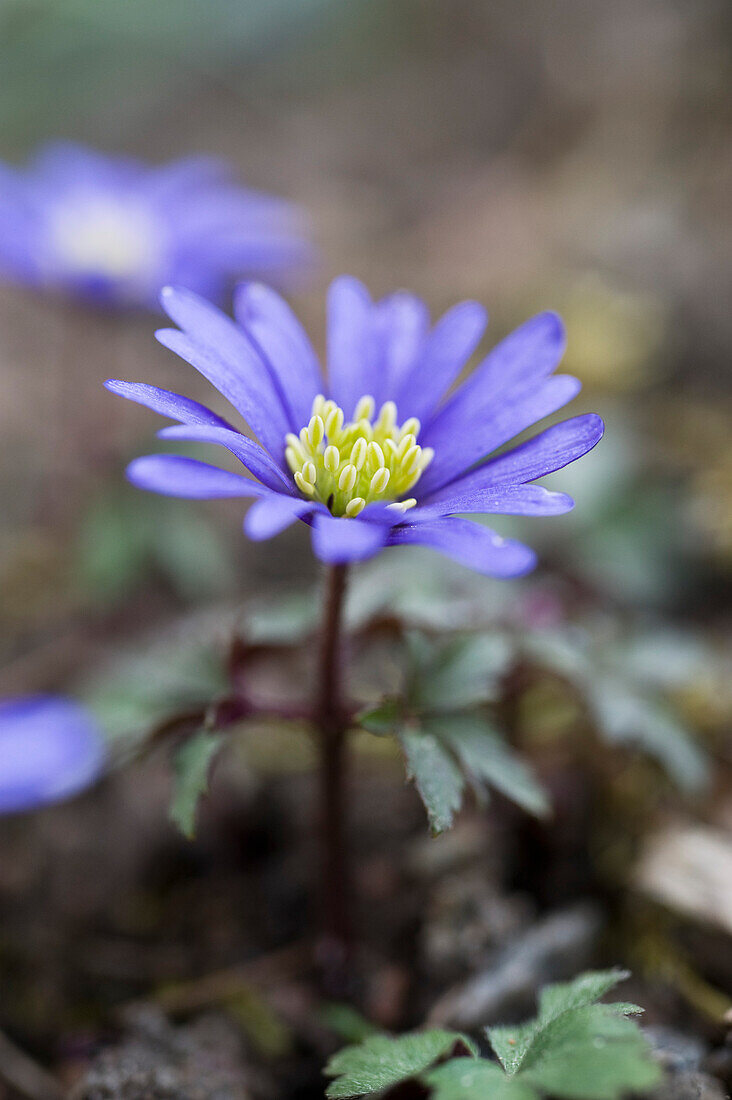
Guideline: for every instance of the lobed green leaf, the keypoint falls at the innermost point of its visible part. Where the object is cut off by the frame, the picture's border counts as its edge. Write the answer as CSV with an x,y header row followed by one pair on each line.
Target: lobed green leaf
x,y
191,765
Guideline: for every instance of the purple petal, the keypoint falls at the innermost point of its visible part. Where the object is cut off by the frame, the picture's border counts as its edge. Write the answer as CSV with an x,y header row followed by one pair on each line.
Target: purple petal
x,y
352,344
458,447
512,500
549,451
50,748
446,351
470,544
246,450
282,341
270,515
166,403
525,356
215,346
172,182
176,476
338,541
401,323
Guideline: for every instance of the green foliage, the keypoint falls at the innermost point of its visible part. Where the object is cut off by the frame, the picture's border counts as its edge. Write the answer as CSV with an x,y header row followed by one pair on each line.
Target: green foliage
x,y
177,671
621,679
191,766
445,739
122,540
574,1049
382,1061
487,759
436,776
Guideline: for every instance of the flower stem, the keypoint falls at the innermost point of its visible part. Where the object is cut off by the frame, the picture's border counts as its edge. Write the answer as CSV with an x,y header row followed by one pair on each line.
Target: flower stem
x,y
331,722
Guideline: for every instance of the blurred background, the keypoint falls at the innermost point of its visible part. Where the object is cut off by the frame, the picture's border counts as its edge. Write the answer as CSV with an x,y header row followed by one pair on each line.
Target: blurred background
x,y
574,156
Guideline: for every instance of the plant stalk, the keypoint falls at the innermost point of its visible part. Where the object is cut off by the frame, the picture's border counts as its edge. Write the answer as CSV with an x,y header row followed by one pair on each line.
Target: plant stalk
x,y
331,723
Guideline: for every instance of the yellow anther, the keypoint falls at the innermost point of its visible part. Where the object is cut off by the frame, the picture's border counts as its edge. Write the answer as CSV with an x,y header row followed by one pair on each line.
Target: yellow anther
x,y
347,465
406,443
316,430
333,421
358,452
375,453
331,459
387,417
365,408
380,480
410,460
347,479
428,453
402,505
292,459
303,485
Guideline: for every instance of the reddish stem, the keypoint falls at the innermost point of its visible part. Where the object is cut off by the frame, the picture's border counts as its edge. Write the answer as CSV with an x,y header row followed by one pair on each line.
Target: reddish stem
x,y
331,722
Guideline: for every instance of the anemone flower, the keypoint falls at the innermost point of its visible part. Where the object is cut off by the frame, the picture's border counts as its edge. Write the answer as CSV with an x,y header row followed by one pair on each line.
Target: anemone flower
x,y
382,452
50,748
113,230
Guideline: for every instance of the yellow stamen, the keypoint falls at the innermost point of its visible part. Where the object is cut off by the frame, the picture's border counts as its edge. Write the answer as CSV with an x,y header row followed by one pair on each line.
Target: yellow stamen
x,y
347,465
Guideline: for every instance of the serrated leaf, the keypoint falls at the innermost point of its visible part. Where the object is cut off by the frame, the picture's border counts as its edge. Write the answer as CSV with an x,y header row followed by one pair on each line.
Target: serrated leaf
x,y
475,1079
461,673
191,765
576,1049
381,1061
489,759
630,718
382,719
436,776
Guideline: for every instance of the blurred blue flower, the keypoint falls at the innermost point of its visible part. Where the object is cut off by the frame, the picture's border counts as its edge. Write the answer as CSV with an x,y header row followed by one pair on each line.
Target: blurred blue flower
x,y
356,476
114,230
50,748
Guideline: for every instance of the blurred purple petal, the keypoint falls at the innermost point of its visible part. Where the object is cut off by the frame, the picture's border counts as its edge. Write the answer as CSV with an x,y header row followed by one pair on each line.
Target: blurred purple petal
x,y
272,514
352,344
166,403
511,500
470,544
275,329
50,748
246,450
444,354
482,433
177,476
337,540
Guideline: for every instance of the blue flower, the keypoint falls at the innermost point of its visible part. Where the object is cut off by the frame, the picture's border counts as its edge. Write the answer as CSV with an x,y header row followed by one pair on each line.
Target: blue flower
x,y
114,230
50,748
376,456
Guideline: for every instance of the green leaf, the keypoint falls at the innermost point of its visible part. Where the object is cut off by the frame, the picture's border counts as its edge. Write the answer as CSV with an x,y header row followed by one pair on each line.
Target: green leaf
x,y
576,1049
382,719
627,717
474,1079
489,759
381,1061
436,777
191,766
282,620
461,673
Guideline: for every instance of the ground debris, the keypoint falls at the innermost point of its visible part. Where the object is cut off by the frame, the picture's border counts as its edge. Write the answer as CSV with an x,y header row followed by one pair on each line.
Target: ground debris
x,y
559,946
202,1061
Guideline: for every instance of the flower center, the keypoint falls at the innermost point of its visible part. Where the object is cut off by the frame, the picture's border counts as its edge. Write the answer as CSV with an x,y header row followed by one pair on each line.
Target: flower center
x,y
103,237
349,465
